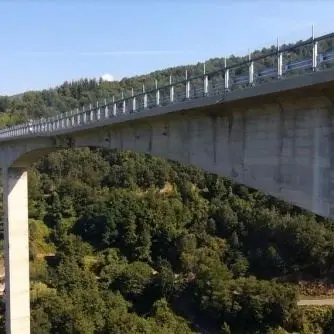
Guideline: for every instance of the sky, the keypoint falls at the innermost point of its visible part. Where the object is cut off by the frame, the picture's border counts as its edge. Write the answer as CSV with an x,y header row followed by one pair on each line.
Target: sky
x,y
45,42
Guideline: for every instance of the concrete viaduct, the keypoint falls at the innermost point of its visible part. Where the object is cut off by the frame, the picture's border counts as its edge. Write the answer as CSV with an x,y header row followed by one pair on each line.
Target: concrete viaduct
x,y
268,130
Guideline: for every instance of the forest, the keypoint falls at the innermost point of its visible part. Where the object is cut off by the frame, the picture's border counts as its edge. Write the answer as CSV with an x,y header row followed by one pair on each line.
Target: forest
x,y
127,243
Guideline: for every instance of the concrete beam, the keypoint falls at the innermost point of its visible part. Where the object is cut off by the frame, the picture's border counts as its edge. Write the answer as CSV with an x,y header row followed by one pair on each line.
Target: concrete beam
x,y
17,290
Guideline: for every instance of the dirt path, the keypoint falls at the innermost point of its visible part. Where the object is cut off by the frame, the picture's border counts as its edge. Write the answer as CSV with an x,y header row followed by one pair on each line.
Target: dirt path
x,y
317,302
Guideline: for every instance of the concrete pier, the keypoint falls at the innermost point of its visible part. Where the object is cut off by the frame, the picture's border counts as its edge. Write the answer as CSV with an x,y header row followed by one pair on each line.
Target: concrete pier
x,y
17,290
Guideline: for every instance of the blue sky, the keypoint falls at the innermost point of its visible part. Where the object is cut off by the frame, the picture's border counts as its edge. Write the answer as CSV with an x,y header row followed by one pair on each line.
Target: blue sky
x,y
43,43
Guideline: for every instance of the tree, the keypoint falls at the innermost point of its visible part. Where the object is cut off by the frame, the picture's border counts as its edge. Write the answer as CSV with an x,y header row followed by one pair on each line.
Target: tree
x,y
134,278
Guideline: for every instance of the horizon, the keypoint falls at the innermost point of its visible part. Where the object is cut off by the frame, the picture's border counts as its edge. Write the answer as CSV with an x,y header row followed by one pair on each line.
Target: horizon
x,y
61,58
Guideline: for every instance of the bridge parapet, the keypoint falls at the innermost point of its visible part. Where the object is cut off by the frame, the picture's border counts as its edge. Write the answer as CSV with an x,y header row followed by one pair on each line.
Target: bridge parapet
x,y
220,83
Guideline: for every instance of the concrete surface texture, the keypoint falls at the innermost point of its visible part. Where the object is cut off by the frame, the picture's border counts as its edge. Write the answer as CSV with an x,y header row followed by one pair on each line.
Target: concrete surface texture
x,y
17,290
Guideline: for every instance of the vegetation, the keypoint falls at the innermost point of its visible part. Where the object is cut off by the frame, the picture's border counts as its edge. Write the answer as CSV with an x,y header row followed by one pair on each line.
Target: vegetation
x,y
126,243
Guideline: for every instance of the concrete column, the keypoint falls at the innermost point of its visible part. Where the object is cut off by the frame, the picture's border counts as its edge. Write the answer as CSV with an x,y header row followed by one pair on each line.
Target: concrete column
x,y
17,293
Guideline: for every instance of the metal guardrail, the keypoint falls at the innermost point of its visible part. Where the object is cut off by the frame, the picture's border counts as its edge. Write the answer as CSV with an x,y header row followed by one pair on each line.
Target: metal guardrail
x,y
218,82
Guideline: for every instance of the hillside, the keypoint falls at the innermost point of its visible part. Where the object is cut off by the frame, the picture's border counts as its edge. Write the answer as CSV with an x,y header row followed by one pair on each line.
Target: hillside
x,y
127,243
123,243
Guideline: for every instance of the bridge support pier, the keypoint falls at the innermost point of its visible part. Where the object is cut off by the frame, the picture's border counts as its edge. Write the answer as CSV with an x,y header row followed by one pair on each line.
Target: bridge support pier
x,y
17,289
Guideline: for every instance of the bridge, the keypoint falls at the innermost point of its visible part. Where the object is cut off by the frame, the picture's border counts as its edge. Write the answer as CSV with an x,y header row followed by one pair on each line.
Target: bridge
x,y
268,127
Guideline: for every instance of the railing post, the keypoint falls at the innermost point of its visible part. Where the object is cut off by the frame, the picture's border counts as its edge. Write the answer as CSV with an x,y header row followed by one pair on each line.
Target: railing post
x,y
314,52
98,111
73,118
77,117
187,86
114,106
145,97
157,94
133,101
68,120
226,77
251,71
84,115
171,90
124,103
54,124
279,62
106,109
206,82
91,114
